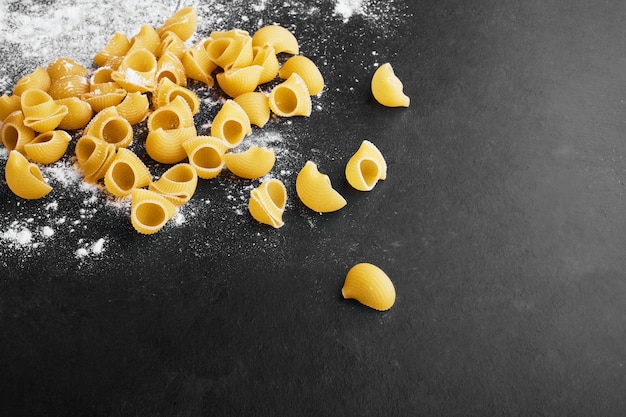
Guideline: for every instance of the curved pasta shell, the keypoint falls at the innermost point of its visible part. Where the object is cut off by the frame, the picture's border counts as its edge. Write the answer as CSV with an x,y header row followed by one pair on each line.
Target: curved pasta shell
x,y
47,123
170,42
134,107
64,66
167,91
150,211
9,104
147,38
233,47
177,184
137,72
183,23
101,99
14,134
291,98
109,126
267,202
236,81
198,64
387,88
169,66
279,37
102,76
265,56
307,70
69,86
254,162
48,147
24,178
176,114
315,190
166,146
38,79
109,156
206,155
117,46
256,105
126,173
38,104
78,115
366,167
231,123
91,153
369,285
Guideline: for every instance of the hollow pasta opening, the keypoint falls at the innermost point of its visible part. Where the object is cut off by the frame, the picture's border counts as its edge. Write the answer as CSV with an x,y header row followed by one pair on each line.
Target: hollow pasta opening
x,y
370,172
150,214
167,74
10,137
44,137
141,61
217,48
35,172
33,98
207,157
165,119
285,99
181,174
114,131
233,131
124,176
277,194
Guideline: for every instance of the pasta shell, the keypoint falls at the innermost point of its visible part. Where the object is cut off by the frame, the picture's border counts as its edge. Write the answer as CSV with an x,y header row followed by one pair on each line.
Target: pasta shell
x,y
69,86
126,173
37,104
387,88
9,104
150,211
102,76
134,108
265,56
366,167
91,154
176,114
38,79
137,72
147,38
170,42
206,155
236,81
256,105
166,146
267,202
254,162
315,190
177,184
170,67
198,64
78,115
63,67
291,98
109,126
167,91
100,99
280,38
231,123
307,70
109,156
47,123
117,46
47,147
14,134
183,23
369,285
233,47
24,178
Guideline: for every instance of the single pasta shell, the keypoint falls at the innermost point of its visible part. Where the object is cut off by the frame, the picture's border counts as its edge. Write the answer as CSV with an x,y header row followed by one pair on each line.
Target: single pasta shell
x,y
50,122
387,88
279,37
167,91
231,123
14,134
9,104
109,126
91,153
177,184
69,86
78,115
170,67
256,105
369,285
150,211
174,115
173,44
265,56
147,38
206,155
126,173
307,70
117,46
366,167
134,108
233,47
315,190
291,98
24,178
102,75
99,100
109,156
137,72
267,202
63,67
48,147
252,163
37,104
183,23
38,79
236,81
198,64
166,146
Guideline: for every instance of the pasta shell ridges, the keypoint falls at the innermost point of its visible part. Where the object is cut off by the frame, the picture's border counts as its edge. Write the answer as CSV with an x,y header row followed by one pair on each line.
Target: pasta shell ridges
x,y
315,190
369,285
387,88
24,178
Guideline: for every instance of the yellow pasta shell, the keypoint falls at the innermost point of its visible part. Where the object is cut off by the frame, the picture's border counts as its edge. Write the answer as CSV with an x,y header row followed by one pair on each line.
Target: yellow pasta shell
x,y
69,86
38,79
256,105
167,91
47,147
173,44
166,146
137,72
230,48
79,113
177,184
198,64
91,153
369,285
64,66
265,56
231,123
109,126
267,202
307,70
366,167
125,173
315,190
102,75
279,37
387,88
147,38
117,46
176,114
206,155
24,178
169,66
100,99
109,156
254,162
183,23
150,211
9,104
14,134
134,108
291,98
38,104
236,81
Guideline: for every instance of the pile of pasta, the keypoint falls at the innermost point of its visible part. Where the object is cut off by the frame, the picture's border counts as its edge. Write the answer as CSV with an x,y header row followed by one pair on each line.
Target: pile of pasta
x,y
146,77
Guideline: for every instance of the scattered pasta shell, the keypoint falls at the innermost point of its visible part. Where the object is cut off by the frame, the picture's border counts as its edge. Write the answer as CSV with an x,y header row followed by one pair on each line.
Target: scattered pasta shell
x,y
9,104
112,128
279,37
109,156
236,81
387,88
126,173
183,23
150,211
24,178
252,163
230,48
117,46
267,202
256,105
41,112
169,66
137,72
198,64
166,146
134,108
177,184
69,86
369,285
104,95
231,123
38,79
78,115
171,43
265,56
91,154
173,115
63,67
206,155
48,147
307,70
316,191
14,134
366,167
291,98
167,91
146,38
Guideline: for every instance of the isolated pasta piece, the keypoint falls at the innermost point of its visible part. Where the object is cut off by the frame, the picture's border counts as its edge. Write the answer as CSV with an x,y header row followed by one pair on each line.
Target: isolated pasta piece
x,y
279,37
198,64
112,128
150,211
206,155
307,70
291,98
366,167
9,104
231,123
316,191
79,113
252,163
265,56
167,91
125,173
183,23
230,48
147,38
117,46
369,285
24,178
64,66
48,147
387,88
134,108
169,66
236,81
38,79
256,105
137,72
177,184
267,202
41,112
14,134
